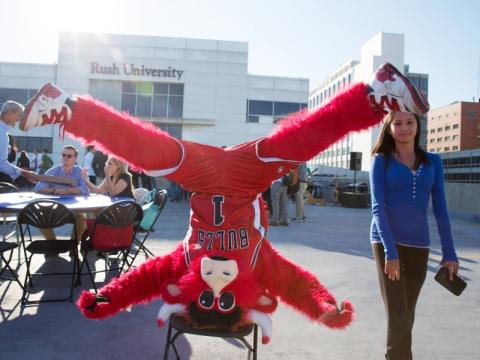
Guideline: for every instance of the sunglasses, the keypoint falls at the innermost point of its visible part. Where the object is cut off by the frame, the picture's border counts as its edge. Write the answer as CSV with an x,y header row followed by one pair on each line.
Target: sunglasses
x,y
68,156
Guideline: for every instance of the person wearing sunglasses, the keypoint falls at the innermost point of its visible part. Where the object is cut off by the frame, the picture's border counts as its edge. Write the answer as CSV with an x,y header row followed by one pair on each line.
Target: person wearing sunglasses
x,y
68,168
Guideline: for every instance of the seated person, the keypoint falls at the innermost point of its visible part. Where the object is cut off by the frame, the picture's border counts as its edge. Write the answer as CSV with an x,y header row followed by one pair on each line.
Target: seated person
x,y
70,170
117,182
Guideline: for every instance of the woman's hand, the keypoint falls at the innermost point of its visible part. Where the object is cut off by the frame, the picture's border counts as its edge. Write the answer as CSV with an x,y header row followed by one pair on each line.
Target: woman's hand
x,y
392,269
452,267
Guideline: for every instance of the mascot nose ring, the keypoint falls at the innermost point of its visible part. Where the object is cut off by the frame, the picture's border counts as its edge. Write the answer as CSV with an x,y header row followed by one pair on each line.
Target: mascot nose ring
x,y
218,273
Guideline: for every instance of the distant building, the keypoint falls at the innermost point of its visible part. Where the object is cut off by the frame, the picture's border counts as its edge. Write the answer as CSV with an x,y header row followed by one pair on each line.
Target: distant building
x,y
196,90
462,166
454,127
383,47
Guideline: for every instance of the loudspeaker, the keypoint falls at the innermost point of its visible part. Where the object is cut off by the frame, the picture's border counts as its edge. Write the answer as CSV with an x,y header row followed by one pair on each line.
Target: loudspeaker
x,y
355,161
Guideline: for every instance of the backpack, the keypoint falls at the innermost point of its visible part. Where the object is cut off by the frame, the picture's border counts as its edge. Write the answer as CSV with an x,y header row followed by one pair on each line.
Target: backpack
x,y
290,178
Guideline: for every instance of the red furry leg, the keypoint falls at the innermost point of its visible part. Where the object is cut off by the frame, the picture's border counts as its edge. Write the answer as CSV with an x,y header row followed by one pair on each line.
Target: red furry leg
x,y
139,285
303,135
300,289
138,143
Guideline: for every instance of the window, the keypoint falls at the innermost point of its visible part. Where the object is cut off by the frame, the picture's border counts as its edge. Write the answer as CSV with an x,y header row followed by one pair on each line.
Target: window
x,y
439,149
30,143
447,127
277,109
447,138
19,95
439,139
152,100
454,137
432,131
432,150
447,148
455,126
439,129
455,147
432,140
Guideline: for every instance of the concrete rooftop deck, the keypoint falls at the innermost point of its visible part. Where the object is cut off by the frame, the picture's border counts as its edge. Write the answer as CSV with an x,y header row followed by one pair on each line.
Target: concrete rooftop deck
x,y
332,243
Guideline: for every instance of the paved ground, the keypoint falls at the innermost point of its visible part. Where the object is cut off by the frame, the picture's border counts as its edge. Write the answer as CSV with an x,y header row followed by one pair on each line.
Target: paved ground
x,y
333,244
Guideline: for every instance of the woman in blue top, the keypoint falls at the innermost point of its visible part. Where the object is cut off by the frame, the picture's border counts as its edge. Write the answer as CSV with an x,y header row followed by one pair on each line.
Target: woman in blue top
x,y
402,178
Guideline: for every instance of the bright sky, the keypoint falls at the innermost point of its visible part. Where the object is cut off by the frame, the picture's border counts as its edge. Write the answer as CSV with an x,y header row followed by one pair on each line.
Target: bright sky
x,y
299,38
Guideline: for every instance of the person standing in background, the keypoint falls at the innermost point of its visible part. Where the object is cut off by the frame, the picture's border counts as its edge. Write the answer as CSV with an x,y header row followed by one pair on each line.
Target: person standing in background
x,y
46,162
299,195
88,164
36,160
98,164
10,113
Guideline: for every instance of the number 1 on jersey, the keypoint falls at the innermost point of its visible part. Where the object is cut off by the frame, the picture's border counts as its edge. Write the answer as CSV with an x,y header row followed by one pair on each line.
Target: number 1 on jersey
x,y
217,209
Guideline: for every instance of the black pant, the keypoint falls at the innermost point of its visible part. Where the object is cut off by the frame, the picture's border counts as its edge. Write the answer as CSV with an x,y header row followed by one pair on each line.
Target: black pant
x,y
400,297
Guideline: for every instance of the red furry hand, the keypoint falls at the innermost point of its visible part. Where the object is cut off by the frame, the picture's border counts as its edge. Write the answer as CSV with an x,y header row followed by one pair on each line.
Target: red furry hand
x,y
338,318
95,306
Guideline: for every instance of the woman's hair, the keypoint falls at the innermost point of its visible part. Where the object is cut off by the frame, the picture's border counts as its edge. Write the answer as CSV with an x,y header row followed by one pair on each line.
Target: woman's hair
x,y
23,154
386,144
122,166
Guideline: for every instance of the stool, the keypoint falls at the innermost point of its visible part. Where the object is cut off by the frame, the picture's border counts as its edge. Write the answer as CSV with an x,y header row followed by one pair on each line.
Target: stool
x,y
182,327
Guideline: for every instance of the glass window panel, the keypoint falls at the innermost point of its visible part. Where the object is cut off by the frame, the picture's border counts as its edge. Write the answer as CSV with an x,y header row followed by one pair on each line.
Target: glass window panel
x,y
129,87
34,143
159,108
145,88
176,89
144,105
258,107
128,103
21,143
283,108
20,95
175,131
253,119
47,143
175,107
159,88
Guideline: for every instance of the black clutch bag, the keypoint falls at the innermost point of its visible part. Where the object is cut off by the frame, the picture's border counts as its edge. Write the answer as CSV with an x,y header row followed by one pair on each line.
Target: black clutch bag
x,y
456,286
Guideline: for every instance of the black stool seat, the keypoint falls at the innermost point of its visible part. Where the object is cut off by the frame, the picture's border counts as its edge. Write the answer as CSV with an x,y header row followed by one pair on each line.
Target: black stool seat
x,y
181,325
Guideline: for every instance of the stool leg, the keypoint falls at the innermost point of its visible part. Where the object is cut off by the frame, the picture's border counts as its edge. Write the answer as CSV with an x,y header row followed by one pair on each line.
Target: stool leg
x,y
255,336
167,344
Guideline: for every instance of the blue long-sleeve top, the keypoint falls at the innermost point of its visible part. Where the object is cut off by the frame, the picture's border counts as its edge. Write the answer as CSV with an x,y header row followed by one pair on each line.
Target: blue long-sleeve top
x,y
400,200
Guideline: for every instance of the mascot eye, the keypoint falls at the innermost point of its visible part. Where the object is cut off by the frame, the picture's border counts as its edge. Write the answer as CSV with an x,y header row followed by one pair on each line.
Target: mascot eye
x,y
226,301
206,299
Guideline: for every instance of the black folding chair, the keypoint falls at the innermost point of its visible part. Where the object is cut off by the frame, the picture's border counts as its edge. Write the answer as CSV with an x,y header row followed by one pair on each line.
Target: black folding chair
x,y
5,262
182,327
151,213
47,214
9,223
121,214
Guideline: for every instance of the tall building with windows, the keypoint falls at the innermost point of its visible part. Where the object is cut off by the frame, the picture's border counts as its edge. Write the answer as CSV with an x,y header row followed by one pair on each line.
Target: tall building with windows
x,y
454,127
198,90
383,47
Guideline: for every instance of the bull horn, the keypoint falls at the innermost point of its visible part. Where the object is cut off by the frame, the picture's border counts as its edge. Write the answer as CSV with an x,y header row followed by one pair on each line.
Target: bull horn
x,y
166,310
264,321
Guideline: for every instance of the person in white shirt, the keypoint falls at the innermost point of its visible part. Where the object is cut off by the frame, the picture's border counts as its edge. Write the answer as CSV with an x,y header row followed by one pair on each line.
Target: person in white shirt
x,y
10,113
87,164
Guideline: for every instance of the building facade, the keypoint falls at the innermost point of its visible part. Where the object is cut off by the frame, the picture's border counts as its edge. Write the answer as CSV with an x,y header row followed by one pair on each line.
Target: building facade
x,y
454,127
383,47
197,90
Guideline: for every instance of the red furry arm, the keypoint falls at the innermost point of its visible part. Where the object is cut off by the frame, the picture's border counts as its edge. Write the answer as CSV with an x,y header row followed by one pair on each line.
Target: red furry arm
x,y
140,144
299,288
303,135
139,285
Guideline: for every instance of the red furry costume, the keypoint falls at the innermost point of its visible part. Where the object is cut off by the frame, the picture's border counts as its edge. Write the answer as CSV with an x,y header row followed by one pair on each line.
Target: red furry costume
x,y
226,272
